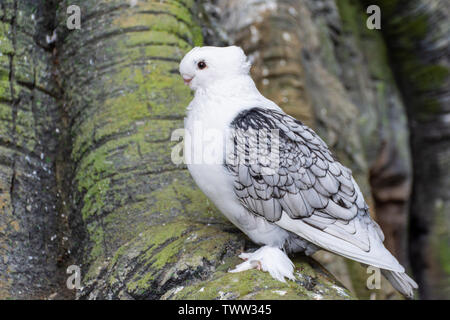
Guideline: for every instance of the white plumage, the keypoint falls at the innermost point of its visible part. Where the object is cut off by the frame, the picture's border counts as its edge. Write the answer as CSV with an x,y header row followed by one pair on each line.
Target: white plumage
x,y
303,201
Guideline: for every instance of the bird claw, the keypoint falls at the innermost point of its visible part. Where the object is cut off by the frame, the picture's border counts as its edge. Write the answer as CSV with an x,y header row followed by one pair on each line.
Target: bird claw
x,y
245,256
246,265
268,259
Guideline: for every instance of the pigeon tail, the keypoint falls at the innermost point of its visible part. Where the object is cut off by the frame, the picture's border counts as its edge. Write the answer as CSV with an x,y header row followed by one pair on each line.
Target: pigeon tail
x,y
401,281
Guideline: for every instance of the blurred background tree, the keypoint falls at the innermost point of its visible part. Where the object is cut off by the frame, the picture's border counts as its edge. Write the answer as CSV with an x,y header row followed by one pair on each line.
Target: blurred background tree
x,y
86,118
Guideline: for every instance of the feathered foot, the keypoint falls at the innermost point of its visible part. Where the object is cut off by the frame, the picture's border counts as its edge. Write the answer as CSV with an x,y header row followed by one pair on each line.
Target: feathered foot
x,y
269,259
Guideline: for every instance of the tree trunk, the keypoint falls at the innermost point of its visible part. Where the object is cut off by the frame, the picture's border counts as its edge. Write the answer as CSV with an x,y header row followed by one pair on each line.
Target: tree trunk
x,y
103,102
86,124
417,34
32,229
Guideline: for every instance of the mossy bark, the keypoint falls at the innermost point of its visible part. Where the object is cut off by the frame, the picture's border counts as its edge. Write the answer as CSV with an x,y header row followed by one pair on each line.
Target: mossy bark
x,y
86,176
86,117
417,34
148,229
32,230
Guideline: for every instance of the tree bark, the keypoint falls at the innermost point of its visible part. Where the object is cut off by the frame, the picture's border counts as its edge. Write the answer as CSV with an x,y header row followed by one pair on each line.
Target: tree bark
x,y
417,35
86,176
32,230
86,119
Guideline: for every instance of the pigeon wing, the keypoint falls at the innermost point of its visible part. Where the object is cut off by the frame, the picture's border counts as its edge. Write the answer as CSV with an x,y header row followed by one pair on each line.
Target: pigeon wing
x,y
283,171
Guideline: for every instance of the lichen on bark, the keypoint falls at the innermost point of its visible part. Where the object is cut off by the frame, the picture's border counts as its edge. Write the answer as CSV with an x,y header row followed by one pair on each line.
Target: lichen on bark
x,y
417,35
148,228
86,118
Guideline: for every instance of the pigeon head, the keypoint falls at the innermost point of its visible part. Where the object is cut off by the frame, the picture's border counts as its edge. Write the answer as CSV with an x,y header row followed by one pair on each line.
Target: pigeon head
x,y
202,66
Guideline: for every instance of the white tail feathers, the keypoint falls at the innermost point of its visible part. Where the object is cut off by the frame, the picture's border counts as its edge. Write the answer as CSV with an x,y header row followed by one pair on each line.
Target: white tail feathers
x,y
377,255
401,281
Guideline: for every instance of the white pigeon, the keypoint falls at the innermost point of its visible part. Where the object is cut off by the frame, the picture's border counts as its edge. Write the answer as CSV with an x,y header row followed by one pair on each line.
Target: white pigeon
x,y
304,201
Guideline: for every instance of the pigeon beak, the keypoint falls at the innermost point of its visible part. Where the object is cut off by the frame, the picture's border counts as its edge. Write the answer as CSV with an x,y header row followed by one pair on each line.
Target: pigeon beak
x,y
187,81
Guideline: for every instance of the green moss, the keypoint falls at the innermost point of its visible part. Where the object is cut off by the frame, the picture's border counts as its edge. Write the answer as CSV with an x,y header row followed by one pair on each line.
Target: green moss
x,y
423,78
6,49
348,10
127,182
97,251
358,277
388,6
157,38
354,17
407,30
163,251
231,286
441,238
166,17
195,201
429,77
311,283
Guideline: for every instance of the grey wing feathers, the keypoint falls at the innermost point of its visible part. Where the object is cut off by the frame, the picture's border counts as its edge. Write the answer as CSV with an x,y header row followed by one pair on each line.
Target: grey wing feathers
x,y
305,181
300,187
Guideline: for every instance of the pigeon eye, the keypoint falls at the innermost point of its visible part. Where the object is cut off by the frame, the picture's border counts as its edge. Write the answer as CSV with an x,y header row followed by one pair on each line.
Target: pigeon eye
x,y
201,65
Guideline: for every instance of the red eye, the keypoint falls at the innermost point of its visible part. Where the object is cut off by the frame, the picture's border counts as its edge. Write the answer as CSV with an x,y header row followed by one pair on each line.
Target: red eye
x,y
201,65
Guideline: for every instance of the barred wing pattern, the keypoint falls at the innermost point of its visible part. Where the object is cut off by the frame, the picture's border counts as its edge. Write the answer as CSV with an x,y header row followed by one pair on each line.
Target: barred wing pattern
x,y
307,182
